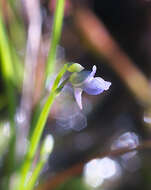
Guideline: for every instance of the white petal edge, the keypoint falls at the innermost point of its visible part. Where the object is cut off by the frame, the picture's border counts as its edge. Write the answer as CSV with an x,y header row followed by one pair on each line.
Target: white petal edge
x,y
105,84
93,71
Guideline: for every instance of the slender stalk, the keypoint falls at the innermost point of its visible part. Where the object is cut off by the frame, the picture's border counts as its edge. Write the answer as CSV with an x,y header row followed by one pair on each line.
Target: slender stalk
x,y
45,150
35,138
56,33
35,175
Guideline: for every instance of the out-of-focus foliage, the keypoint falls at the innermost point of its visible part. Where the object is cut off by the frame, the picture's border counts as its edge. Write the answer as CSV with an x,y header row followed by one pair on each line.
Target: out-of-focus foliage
x,y
105,144
74,183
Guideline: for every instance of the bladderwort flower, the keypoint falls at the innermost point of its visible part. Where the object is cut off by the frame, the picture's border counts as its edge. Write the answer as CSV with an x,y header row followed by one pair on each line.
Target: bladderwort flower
x,y
83,80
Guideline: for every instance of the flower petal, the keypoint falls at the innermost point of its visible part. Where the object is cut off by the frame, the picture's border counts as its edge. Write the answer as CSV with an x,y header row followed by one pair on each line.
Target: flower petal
x,y
78,96
96,86
91,75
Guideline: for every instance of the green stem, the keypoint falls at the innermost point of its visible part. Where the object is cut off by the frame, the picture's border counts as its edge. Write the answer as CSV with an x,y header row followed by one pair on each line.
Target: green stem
x,y
35,138
45,150
56,33
6,60
35,175
8,75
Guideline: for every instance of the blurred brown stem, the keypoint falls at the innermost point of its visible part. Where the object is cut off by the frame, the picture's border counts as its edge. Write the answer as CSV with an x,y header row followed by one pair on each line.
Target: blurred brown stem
x,y
97,38
77,169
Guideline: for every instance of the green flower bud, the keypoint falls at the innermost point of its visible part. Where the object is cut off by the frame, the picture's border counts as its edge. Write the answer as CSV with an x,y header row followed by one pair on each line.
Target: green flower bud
x,y
75,67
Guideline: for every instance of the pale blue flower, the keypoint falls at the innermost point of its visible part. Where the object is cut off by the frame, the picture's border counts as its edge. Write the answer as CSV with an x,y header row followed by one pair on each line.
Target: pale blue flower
x,y
85,81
